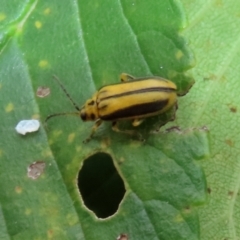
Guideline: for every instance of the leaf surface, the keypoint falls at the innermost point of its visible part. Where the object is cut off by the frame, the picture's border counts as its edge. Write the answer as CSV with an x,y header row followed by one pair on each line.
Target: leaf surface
x,y
87,44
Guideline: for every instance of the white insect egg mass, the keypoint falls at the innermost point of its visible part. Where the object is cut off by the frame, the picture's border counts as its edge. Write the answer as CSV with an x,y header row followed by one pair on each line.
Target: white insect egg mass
x,y
26,126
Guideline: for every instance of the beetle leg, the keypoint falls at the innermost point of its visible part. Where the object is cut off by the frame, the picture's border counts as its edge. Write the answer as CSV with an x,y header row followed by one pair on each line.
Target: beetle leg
x,y
124,77
130,132
94,129
136,122
115,127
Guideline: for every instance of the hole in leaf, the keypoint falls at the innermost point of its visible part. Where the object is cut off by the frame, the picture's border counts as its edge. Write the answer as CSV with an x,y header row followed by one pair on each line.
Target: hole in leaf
x,y
100,185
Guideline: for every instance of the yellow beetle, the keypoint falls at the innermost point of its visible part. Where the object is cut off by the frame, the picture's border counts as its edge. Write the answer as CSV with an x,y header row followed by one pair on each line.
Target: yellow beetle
x,y
134,99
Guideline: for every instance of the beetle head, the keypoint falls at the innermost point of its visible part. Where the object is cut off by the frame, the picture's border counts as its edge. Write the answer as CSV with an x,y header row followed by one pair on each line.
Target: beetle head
x,y
89,111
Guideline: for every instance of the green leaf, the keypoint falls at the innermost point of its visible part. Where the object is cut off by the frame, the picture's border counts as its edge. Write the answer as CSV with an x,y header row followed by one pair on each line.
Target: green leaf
x,y
214,102
87,44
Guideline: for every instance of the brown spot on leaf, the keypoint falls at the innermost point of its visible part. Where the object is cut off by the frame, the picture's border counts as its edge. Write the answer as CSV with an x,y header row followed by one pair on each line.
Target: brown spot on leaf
x,y
36,169
122,236
187,209
18,189
230,193
233,109
43,92
50,233
229,142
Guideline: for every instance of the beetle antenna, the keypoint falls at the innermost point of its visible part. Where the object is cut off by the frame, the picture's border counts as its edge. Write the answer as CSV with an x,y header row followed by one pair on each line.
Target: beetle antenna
x,y
59,114
67,94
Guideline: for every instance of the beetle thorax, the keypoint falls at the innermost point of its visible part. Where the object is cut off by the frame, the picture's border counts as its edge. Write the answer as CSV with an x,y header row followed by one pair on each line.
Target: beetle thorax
x,y
89,111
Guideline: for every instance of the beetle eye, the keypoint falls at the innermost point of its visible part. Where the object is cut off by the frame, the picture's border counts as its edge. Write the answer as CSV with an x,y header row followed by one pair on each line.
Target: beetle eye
x,y
83,116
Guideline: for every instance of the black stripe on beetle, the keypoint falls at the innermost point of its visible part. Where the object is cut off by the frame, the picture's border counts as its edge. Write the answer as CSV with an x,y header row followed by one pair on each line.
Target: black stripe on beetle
x,y
136,110
139,91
